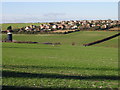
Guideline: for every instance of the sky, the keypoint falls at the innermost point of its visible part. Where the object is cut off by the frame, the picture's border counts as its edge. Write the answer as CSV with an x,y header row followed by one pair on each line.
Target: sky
x,y
24,12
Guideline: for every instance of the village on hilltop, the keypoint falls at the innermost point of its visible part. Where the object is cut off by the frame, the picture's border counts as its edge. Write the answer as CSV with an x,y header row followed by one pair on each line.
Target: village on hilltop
x,y
71,26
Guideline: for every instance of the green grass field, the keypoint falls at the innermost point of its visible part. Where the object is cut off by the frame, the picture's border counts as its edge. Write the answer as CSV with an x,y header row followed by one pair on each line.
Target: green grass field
x,y
17,25
61,66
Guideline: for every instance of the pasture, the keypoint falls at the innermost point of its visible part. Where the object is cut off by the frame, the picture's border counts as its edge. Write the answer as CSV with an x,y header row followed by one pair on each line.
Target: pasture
x,y
17,25
61,66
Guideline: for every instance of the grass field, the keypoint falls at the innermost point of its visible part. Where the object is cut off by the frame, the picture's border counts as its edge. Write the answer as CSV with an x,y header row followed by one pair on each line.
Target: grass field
x,y
61,66
17,25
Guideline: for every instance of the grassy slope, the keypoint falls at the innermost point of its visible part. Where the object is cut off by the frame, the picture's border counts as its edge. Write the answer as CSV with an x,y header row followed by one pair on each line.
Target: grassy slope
x,y
17,25
38,65
79,38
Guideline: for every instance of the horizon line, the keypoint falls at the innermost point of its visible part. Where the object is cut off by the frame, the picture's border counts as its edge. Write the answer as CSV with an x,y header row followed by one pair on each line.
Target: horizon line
x,y
59,21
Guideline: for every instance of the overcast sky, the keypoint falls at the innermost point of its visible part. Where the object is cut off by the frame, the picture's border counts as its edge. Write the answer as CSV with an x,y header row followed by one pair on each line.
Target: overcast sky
x,y
18,12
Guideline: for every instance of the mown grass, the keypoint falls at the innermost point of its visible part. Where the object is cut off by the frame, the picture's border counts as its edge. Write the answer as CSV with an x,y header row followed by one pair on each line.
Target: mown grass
x,y
62,66
79,38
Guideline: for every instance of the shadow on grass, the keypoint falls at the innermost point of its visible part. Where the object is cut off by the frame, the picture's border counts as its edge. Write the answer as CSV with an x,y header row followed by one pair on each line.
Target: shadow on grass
x,y
4,87
18,88
59,67
55,76
58,88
